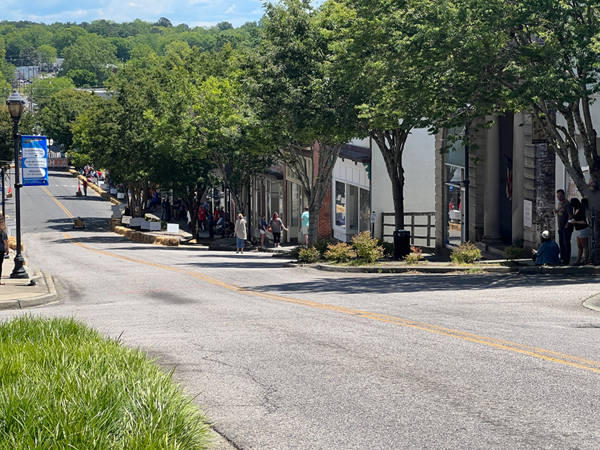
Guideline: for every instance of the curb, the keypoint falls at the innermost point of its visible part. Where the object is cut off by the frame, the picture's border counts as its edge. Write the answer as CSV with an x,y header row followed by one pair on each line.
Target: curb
x,y
417,268
40,300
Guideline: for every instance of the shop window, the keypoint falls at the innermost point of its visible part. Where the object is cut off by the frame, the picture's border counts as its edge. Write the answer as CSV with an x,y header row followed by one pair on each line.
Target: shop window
x,y
295,204
365,210
352,209
340,204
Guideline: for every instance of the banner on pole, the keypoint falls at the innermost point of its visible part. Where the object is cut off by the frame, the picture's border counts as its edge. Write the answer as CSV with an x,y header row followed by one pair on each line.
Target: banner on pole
x,y
34,160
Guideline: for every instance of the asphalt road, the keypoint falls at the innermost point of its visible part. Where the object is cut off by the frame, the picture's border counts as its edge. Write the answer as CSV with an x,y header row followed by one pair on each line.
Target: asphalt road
x,y
285,358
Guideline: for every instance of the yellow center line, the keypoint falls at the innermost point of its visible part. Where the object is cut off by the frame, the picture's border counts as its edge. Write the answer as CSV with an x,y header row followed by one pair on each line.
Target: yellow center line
x,y
67,212
548,355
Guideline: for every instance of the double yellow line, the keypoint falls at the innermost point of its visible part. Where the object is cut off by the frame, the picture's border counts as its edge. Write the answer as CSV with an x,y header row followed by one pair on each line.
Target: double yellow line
x,y
547,355
61,206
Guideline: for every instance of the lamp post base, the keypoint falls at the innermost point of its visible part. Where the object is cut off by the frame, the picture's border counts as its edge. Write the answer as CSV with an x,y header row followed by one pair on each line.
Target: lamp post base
x,y
19,270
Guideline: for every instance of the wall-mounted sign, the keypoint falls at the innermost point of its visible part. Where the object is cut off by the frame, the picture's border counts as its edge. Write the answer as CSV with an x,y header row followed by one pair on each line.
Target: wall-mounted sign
x,y
34,160
527,213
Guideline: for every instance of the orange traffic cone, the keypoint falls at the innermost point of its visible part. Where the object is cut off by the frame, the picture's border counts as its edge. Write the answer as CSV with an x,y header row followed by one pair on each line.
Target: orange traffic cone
x,y
9,192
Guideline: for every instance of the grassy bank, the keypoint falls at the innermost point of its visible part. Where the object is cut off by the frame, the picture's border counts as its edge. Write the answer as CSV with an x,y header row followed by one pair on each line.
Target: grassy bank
x,y
63,386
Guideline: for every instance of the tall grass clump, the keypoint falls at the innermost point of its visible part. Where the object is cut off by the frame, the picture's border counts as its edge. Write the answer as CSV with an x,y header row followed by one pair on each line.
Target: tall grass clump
x,y
465,253
63,386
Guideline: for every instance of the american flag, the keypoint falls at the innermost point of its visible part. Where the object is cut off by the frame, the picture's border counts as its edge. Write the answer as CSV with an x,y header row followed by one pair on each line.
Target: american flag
x,y
509,180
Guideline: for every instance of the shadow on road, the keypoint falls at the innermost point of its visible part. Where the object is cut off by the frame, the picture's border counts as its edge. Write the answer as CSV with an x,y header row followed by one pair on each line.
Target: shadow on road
x,y
403,283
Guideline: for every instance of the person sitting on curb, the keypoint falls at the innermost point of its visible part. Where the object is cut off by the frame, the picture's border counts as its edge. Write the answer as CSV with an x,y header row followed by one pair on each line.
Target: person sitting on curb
x,y
548,251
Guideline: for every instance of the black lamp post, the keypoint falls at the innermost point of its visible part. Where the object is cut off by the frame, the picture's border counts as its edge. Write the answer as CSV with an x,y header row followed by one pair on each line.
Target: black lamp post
x,y
16,106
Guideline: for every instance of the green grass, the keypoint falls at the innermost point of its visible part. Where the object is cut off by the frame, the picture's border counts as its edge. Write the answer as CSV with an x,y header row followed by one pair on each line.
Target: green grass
x,y
64,386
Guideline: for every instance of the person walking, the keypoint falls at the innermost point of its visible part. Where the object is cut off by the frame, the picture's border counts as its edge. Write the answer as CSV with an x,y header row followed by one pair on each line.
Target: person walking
x,y
582,231
3,244
211,226
263,231
201,218
85,187
564,213
276,225
305,221
240,234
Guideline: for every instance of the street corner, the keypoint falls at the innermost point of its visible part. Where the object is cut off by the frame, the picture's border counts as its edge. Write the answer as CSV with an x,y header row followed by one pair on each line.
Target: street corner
x,y
24,293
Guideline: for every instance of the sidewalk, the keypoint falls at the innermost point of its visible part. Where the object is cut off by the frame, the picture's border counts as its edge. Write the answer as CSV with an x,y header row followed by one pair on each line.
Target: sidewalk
x,y
19,294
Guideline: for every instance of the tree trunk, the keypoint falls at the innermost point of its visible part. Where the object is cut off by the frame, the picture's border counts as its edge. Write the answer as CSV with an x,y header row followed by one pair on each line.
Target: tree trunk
x,y
391,144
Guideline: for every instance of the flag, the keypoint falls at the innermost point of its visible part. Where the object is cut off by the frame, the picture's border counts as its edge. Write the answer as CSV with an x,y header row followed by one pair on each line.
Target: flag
x,y
509,180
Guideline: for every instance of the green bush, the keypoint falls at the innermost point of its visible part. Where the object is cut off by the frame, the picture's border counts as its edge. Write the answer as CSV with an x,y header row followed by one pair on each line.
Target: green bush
x,y
322,244
513,252
388,248
339,253
295,252
309,255
466,253
415,255
366,247
62,385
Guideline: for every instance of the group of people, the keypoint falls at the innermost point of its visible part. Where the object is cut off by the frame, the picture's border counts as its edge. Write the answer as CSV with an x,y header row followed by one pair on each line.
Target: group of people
x,y
570,215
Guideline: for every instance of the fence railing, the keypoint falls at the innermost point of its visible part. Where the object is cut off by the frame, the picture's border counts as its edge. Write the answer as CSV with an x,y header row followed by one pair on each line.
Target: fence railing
x,y
424,222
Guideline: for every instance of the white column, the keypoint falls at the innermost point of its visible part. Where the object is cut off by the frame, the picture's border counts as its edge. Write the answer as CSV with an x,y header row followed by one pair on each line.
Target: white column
x,y
518,193
491,192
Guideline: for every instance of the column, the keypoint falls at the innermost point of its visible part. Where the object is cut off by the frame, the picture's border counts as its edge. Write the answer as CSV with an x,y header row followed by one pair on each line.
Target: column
x,y
518,176
491,192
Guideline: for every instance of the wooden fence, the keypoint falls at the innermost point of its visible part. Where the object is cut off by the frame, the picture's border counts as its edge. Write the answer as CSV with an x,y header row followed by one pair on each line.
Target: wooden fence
x,y
424,222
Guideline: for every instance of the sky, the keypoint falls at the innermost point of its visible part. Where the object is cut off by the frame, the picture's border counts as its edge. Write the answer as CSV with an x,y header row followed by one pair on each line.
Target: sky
x,y
192,12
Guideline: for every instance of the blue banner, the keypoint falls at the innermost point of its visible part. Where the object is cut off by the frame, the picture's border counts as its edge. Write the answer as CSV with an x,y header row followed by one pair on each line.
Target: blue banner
x,y
34,160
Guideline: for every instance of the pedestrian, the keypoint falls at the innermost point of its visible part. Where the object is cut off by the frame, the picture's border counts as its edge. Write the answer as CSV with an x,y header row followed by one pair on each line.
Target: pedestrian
x,y
304,229
564,213
275,226
240,234
211,225
168,209
182,209
85,187
189,219
582,231
263,231
548,251
3,244
201,218
163,209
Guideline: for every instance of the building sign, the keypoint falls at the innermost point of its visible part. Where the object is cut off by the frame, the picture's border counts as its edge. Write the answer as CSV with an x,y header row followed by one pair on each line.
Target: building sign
x,y
527,213
34,160
538,135
57,162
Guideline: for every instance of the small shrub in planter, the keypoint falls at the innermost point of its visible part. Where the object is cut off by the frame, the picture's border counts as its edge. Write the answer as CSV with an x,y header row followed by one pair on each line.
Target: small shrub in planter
x,y
309,255
513,252
322,244
415,255
339,253
466,253
388,248
366,247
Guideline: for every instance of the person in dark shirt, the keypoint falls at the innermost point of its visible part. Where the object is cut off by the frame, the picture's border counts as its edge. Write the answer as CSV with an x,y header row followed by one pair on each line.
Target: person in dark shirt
x,y
548,251
582,231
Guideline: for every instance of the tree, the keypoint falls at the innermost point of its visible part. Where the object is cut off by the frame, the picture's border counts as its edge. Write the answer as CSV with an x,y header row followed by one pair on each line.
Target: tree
x,y
304,109
62,109
90,53
47,54
42,89
164,22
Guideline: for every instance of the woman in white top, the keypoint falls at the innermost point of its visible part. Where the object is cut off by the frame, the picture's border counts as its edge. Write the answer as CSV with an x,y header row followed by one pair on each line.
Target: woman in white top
x,y
240,234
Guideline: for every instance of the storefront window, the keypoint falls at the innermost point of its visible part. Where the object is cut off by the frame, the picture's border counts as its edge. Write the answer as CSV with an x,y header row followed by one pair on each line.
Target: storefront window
x,y
340,204
295,204
365,210
352,209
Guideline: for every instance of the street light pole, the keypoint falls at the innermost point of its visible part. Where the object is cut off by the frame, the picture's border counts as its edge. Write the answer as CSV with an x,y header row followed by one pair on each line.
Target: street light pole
x,y
16,106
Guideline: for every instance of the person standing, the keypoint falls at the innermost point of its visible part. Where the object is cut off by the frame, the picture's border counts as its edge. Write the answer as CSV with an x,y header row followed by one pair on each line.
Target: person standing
x,y
240,234
276,225
305,221
564,213
211,226
582,231
85,187
201,218
3,244
263,231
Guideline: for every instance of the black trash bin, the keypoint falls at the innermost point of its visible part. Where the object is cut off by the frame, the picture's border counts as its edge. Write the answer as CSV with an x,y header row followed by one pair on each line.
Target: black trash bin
x,y
401,244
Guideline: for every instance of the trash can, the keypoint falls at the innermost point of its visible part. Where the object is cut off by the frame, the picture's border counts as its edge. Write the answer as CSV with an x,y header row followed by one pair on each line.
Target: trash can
x,y
401,244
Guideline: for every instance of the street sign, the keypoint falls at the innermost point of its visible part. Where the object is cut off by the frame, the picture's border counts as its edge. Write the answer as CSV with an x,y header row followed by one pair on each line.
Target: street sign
x,y
34,160
373,217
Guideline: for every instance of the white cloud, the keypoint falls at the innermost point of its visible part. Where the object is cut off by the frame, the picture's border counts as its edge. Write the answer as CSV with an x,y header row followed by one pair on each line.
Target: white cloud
x,y
230,10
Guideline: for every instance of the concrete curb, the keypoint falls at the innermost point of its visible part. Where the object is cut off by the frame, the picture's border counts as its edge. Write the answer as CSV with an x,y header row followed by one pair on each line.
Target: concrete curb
x,y
31,302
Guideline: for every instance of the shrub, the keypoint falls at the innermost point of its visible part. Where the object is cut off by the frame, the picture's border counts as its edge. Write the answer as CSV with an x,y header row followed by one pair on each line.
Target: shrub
x,y
388,248
338,253
466,253
415,255
309,255
322,244
513,252
295,252
366,247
